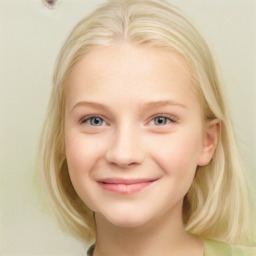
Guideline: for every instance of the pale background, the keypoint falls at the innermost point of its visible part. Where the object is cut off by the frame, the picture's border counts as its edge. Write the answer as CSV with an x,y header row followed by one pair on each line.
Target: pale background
x,y
31,36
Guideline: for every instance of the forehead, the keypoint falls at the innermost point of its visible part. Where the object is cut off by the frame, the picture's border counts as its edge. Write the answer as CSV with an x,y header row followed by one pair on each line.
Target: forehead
x,y
124,56
125,71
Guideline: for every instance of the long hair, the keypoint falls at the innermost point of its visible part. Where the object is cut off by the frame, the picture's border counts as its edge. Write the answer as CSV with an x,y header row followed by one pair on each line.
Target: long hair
x,y
216,206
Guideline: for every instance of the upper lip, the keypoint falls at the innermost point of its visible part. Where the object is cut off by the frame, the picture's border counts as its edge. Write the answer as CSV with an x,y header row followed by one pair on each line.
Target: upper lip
x,y
125,181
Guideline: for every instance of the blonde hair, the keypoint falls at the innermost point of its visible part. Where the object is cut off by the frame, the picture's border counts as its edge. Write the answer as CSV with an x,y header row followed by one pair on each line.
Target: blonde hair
x,y
216,206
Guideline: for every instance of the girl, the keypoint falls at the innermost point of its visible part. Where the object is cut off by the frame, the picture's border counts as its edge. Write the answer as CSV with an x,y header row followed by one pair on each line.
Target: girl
x,y
138,152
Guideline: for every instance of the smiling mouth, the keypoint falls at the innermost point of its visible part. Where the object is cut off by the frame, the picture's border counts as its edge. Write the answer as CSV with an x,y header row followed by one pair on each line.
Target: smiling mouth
x,y
125,186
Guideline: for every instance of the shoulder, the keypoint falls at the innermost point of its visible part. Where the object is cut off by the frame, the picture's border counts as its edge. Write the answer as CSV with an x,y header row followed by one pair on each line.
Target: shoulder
x,y
213,248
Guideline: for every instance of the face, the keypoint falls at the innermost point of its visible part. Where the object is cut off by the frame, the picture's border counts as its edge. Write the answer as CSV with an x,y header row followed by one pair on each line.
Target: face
x,y
134,133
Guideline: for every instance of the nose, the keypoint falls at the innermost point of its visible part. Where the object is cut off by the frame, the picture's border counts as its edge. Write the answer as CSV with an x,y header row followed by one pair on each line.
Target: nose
x,y
126,149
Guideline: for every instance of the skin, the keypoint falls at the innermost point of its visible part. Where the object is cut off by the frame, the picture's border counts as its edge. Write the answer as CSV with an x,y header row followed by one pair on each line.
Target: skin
x,y
149,125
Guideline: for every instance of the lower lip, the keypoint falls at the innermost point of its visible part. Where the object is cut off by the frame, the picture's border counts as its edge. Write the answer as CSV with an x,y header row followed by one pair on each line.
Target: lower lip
x,y
125,188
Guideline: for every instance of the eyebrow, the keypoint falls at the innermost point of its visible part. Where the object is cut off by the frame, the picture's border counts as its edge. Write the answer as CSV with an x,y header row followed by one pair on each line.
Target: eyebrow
x,y
143,105
161,103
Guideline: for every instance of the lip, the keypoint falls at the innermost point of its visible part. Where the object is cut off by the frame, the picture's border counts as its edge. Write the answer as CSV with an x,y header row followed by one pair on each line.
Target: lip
x,y
125,186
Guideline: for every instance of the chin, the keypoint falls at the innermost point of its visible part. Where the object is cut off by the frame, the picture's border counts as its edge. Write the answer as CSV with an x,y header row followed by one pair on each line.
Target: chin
x,y
127,220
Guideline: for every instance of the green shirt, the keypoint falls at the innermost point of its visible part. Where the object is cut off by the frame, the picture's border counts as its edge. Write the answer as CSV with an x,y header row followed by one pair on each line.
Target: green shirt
x,y
214,248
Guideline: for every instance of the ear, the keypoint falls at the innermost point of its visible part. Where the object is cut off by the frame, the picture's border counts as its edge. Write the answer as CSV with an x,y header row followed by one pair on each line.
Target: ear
x,y
210,141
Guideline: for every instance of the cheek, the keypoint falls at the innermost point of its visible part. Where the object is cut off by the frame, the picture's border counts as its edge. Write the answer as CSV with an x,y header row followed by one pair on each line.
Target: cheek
x,y
81,151
82,155
178,153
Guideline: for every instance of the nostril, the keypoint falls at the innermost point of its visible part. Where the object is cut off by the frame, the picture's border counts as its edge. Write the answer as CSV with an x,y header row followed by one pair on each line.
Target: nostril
x,y
124,152
124,163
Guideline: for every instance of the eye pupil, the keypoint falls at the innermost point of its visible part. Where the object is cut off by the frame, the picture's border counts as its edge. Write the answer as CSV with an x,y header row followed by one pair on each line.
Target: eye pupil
x,y
160,120
96,121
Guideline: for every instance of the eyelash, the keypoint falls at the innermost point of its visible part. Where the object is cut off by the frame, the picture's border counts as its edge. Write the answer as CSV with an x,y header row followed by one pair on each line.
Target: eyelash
x,y
88,118
168,118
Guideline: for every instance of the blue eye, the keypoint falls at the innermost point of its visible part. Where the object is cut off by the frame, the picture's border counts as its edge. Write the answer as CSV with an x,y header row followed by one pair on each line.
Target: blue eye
x,y
161,121
94,121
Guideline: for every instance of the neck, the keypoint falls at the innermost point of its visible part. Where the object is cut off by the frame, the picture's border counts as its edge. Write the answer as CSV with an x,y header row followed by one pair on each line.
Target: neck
x,y
164,236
